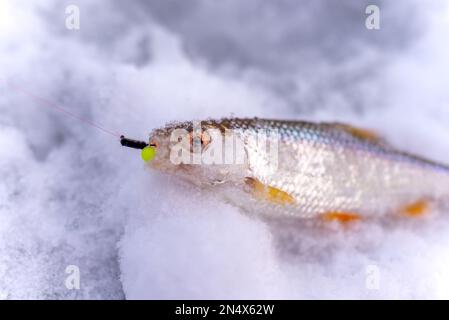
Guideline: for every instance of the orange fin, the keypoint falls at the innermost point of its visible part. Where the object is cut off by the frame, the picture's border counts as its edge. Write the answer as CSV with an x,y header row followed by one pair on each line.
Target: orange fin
x,y
268,193
416,209
363,134
342,217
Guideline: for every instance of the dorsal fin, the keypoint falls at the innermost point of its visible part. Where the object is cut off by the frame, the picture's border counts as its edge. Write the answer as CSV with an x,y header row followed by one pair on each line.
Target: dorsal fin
x,y
361,133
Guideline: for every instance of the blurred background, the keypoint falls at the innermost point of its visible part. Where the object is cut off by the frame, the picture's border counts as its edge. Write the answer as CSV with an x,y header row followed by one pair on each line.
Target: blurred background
x,y
71,196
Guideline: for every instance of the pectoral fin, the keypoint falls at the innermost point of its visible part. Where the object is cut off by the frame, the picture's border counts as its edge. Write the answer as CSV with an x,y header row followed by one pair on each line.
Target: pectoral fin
x,y
416,209
340,216
268,193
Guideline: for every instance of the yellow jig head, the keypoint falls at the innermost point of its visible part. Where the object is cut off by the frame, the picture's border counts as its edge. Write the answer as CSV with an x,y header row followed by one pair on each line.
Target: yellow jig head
x,y
148,153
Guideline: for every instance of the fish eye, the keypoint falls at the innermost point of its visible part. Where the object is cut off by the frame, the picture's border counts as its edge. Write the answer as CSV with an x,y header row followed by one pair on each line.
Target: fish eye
x,y
205,140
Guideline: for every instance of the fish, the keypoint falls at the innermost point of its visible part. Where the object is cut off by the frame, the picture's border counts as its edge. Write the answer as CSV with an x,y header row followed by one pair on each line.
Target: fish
x,y
300,169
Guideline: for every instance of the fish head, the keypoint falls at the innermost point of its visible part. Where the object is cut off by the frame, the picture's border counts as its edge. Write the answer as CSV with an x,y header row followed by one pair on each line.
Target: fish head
x,y
196,152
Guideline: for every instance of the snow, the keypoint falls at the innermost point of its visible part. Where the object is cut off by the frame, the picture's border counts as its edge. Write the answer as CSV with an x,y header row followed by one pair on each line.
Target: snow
x,y
70,195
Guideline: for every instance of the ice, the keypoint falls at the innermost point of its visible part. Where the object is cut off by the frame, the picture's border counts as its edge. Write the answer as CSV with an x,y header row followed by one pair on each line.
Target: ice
x,y
71,195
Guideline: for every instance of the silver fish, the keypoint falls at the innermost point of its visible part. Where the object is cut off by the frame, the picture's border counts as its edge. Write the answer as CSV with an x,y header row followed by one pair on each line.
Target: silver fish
x,y
331,170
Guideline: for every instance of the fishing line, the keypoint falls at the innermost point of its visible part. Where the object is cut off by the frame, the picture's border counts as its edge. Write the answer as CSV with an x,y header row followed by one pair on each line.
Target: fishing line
x,y
52,105
148,151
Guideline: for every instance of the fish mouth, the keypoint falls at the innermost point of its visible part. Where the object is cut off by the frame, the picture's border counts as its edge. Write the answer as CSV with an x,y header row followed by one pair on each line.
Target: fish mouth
x,y
161,165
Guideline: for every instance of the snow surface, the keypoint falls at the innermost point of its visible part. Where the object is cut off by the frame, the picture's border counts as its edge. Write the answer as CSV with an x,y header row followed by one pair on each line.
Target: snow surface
x,y
70,195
